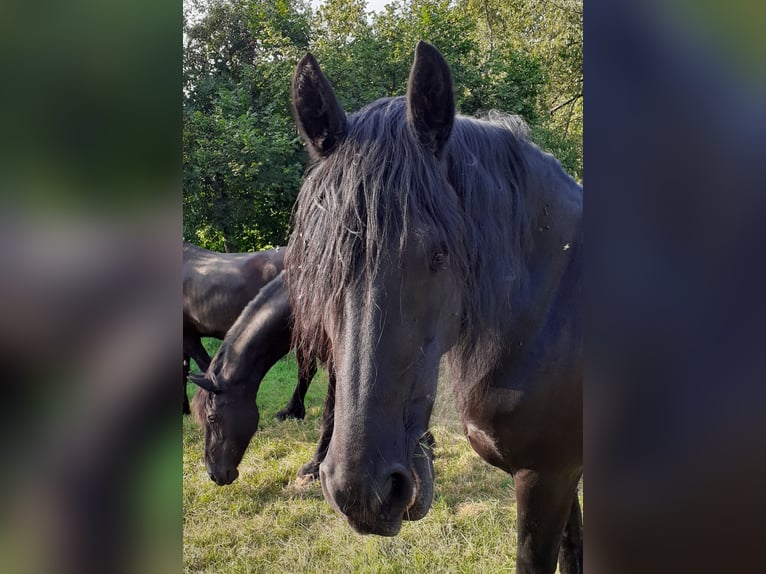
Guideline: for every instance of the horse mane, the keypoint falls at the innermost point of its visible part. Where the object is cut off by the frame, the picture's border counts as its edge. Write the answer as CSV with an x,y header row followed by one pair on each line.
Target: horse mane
x,y
487,167
198,407
360,203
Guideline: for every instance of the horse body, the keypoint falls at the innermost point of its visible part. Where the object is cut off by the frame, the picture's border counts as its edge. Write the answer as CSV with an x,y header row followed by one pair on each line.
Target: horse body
x,y
525,417
419,234
225,405
538,374
216,287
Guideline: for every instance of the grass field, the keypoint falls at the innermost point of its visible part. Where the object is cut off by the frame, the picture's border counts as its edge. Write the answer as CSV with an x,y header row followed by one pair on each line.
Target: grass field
x,y
265,523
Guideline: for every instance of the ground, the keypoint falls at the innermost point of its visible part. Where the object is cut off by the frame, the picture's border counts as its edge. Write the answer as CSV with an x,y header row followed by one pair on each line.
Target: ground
x,y
265,522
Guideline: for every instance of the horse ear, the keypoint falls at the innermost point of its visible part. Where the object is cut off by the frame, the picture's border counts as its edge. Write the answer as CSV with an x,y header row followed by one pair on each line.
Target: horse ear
x,y
320,117
203,382
430,98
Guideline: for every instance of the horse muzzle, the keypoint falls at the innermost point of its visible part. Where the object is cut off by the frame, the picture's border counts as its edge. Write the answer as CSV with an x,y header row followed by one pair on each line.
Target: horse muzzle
x,y
223,477
378,502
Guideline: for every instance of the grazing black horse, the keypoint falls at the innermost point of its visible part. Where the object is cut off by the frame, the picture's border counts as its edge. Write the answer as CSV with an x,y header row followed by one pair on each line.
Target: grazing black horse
x,y
225,405
419,233
217,286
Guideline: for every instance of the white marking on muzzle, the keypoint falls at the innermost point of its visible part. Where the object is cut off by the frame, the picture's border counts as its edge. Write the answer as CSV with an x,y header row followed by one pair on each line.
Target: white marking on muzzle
x,y
415,489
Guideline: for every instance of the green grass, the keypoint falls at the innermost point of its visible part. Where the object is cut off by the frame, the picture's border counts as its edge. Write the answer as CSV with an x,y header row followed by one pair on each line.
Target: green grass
x,y
265,523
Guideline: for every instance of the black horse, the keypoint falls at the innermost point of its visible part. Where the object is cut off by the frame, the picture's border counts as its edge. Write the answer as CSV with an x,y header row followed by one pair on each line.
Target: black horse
x,y
225,405
217,286
419,233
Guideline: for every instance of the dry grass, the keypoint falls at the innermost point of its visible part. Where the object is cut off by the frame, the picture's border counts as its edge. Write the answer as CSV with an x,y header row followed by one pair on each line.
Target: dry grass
x,y
264,522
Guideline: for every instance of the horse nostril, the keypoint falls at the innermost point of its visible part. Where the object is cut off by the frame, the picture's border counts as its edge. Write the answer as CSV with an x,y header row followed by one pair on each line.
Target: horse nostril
x,y
400,488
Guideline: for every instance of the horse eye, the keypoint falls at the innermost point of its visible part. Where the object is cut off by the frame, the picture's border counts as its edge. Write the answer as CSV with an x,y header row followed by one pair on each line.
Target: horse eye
x,y
211,419
439,260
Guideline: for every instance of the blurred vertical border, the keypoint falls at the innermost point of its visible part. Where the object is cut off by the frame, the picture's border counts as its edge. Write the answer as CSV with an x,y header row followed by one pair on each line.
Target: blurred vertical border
x,y
675,191
90,340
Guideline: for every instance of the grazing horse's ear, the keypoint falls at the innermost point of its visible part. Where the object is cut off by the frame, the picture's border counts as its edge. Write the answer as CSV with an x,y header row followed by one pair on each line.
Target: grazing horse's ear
x,y
430,98
203,382
320,117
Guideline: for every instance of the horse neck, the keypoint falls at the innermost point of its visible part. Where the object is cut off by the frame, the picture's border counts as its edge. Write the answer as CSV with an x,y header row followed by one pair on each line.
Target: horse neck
x,y
552,210
522,230
258,339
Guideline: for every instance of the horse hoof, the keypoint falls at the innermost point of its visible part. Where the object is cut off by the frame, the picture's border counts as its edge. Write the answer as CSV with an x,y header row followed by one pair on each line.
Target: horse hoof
x,y
285,414
309,471
301,485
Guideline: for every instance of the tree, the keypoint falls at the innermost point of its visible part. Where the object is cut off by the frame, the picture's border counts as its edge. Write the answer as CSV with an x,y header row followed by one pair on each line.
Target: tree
x,y
243,159
550,33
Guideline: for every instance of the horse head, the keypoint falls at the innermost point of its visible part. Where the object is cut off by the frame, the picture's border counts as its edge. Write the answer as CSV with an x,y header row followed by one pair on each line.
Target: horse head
x,y
230,417
375,262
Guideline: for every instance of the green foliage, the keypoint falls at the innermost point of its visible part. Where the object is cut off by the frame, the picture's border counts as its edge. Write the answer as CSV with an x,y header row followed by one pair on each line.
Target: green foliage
x,y
243,160
548,34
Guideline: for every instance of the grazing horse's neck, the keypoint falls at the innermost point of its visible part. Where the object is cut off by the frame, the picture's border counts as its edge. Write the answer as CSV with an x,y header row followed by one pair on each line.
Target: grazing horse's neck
x,y
259,338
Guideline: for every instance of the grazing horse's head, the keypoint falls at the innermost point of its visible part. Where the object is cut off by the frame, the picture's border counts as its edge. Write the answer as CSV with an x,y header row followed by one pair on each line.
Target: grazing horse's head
x,y
376,264
230,419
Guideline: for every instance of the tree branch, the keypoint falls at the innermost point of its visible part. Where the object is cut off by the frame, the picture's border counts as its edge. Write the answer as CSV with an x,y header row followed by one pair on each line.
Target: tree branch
x,y
569,101
489,27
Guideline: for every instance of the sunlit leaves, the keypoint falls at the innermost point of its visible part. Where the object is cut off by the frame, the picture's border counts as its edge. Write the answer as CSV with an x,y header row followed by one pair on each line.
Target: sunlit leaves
x,y
243,160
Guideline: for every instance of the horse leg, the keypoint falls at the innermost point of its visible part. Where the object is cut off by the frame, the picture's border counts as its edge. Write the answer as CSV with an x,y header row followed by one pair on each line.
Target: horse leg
x,y
194,347
570,555
311,468
296,409
186,375
543,503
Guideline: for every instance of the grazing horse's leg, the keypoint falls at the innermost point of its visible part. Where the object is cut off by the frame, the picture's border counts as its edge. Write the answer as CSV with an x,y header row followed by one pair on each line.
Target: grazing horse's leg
x,y
295,409
187,410
193,345
193,348
543,503
570,556
311,468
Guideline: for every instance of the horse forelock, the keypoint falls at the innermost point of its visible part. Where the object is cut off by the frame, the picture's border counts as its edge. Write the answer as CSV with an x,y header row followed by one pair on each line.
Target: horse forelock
x,y
198,407
357,207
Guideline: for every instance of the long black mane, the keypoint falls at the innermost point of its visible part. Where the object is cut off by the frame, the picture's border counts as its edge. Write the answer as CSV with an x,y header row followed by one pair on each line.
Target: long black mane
x,y
357,206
